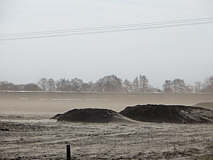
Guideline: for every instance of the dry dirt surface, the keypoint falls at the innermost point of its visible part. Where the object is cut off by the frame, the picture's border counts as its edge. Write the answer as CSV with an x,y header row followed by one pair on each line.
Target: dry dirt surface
x,y
59,102
27,132
37,137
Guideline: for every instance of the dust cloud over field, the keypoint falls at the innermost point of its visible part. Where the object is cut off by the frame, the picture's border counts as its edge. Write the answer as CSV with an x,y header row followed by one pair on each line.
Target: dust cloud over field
x,y
27,132
52,103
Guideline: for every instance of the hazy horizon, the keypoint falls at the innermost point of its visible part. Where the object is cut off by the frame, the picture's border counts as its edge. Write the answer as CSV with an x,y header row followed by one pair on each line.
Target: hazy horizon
x,y
180,52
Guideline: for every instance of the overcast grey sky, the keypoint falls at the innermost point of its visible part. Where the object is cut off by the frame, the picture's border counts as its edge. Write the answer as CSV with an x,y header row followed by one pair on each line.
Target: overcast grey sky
x,y
184,52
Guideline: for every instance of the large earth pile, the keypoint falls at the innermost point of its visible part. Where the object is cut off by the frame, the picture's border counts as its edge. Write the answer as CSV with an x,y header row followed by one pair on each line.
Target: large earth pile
x,y
91,115
144,113
168,114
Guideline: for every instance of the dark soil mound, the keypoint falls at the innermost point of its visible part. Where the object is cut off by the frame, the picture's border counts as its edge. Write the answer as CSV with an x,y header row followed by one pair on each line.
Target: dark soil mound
x,y
91,115
168,114
56,116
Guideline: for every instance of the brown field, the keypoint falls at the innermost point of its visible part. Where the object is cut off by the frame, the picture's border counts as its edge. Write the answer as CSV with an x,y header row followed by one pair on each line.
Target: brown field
x,y
27,133
57,102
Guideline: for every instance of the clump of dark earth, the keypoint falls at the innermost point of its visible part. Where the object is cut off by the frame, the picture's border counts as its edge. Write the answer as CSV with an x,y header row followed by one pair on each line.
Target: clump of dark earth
x,y
92,115
14,126
4,129
56,116
168,114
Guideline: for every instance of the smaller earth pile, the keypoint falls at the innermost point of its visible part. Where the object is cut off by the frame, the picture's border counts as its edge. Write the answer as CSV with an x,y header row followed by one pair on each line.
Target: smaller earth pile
x,y
168,114
92,115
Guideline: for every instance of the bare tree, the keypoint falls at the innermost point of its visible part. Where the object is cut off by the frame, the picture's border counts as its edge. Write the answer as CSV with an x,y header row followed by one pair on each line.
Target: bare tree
x,y
136,84
127,85
176,86
179,85
43,84
168,86
143,83
51,86
109,84
76,84
208,85
197,87
63,85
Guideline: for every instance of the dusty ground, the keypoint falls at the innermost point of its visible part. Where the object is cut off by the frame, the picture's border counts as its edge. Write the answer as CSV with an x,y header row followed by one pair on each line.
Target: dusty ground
x,y
31,137
53,103
27,133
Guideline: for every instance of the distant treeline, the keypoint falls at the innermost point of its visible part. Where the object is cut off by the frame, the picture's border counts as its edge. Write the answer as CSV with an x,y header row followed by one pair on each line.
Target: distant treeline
x,y
110,83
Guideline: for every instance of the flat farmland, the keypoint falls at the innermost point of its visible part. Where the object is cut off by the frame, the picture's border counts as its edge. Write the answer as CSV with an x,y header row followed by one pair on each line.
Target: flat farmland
x,y
57,102
27,132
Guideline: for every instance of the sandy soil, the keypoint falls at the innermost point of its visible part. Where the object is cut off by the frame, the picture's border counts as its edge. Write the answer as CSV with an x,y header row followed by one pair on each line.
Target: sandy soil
x,y
26,132
53,103
31,137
